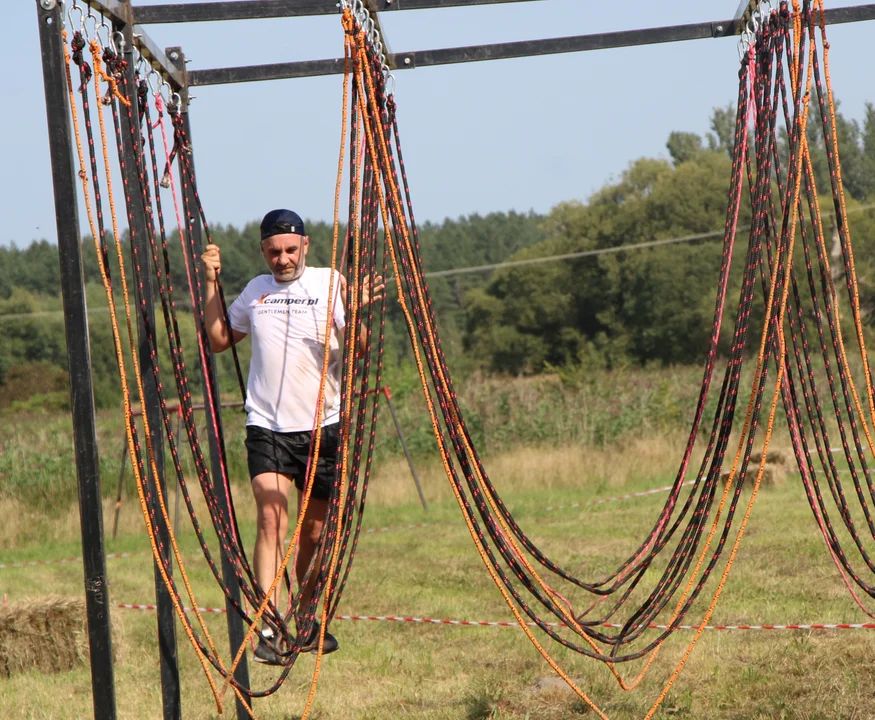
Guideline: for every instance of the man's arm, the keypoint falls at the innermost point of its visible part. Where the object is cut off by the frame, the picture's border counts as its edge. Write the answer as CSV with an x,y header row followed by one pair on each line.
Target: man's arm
x,y
371,292
217,330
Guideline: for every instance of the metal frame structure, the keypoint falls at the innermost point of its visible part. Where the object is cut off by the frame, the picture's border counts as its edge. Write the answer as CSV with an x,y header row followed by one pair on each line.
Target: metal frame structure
x,y
170,63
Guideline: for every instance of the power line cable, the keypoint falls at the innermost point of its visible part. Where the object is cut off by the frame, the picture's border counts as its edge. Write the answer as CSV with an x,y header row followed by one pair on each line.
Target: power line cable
x,y
496,266
599,251
571,256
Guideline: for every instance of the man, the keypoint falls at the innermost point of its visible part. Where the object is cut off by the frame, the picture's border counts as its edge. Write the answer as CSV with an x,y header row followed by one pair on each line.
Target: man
x,y
286,313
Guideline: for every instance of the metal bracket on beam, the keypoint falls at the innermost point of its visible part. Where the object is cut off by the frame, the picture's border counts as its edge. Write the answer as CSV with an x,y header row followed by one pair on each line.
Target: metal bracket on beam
x,y
177,57
725,29
119,12
157,59
402,61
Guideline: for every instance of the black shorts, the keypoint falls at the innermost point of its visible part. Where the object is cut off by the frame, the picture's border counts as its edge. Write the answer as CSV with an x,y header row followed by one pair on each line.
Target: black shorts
x,y
287,453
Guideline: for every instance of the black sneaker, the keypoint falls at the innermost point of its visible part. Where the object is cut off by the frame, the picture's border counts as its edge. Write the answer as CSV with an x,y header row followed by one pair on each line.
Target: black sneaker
x,y
265,652
329,644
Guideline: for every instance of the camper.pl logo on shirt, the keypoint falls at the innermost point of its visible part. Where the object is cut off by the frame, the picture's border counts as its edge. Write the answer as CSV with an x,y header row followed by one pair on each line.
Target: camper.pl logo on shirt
x,y
268,300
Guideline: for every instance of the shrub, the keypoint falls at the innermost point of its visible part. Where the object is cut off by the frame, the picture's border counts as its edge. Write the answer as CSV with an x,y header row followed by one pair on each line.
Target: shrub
x,y
28,383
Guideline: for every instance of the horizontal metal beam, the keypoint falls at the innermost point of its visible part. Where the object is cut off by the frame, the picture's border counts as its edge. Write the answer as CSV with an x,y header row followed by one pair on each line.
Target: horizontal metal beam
x,y
261,9
121,13
853,13
158,60
274,71
506,51
474,53
112,10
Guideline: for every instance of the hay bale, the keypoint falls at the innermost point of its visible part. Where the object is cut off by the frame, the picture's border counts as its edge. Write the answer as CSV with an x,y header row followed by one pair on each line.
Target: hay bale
x,y
774,473
769,477
775,457
48,634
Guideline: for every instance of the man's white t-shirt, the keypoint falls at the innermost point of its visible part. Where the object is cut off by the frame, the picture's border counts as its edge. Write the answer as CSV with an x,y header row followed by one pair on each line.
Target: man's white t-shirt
x,y
287,324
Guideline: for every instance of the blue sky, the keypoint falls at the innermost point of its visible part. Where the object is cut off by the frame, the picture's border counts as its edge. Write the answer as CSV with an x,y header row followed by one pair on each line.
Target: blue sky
x,y
509,135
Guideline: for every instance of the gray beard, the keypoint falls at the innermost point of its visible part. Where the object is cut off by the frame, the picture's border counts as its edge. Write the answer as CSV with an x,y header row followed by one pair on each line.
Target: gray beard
x,y
297,274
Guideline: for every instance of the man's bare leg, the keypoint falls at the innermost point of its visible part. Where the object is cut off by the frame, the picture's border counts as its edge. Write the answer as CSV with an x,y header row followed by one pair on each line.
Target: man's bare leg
x,y
308,545
271,492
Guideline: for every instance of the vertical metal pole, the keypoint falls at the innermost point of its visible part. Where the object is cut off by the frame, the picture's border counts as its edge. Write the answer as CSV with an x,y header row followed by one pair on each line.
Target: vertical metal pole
x,y
404,446
193,226
131,143
78,358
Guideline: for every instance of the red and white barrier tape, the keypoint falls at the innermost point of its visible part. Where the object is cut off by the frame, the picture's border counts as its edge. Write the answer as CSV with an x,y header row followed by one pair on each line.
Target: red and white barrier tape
x,y
155,607
508,624
483,623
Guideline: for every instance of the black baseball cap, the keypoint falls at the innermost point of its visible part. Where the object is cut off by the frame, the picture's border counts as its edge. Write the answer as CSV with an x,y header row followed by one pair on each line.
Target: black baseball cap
x,y
281,222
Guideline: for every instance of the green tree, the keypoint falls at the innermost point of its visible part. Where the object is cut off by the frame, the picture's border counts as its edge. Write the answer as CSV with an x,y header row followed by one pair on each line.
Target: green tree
x,y
647,305
867,155
722,135
683,146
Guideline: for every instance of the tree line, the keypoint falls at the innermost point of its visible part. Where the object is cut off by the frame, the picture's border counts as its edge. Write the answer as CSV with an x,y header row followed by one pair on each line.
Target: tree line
x,y
645,306
654,305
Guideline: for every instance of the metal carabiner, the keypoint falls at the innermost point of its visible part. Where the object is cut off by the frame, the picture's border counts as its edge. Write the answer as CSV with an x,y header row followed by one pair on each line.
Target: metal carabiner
x,y
73,7
760,14
140,64
90,16
745,43
169,97
362,15
109,41
156,88
118,42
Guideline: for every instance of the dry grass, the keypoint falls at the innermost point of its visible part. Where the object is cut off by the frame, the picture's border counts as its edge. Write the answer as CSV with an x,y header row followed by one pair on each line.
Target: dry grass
x,y
23,523
530,469
783,574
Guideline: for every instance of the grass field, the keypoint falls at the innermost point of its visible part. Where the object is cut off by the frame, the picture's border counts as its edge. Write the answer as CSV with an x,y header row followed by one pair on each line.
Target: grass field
x,y
384,669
